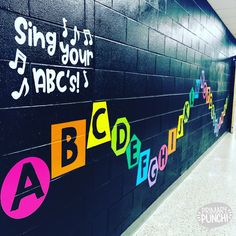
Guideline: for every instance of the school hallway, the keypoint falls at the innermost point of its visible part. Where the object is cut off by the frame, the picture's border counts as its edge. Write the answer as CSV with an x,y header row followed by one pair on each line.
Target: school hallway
x,y
211,180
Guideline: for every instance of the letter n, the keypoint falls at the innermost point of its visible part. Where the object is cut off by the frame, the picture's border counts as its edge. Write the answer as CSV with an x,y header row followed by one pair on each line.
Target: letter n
x,y
68,147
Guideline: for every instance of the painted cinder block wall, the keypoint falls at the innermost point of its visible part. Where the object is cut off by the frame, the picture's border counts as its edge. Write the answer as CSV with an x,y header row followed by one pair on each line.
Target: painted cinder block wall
x,y
147,55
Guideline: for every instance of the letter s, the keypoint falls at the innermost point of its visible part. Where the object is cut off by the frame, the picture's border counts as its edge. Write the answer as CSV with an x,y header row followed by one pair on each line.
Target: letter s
x,y
20,21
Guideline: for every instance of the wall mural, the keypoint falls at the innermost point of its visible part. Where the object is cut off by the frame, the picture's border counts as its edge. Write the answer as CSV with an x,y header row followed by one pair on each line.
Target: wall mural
x,y
26,185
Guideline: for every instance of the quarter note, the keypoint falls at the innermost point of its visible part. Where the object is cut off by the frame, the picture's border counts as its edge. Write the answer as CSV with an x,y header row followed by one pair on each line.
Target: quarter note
x,y
65,32
24,86
86,83
76,36
87,35
13,64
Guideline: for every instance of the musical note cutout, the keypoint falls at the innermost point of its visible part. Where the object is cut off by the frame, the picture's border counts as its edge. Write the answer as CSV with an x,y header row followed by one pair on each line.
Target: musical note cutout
x,y
86,83
76,36
24,87
13,64
65,32
87,35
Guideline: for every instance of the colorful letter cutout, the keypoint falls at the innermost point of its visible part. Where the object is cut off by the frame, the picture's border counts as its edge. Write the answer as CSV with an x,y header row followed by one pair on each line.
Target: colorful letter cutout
x,y
202,79
180,128
133,152
99,131
216,127
153,172
213,114
120,136
204,94
163,157
68,147
210,101
172,140
191,97
208,92
25,187
143,166
197,88
186,111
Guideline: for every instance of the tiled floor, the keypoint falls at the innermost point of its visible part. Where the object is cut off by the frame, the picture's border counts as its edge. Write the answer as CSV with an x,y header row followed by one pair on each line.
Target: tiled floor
x,y
212,181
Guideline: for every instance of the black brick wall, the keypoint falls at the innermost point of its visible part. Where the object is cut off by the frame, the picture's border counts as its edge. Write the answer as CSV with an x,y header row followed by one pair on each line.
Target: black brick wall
x,y
147,56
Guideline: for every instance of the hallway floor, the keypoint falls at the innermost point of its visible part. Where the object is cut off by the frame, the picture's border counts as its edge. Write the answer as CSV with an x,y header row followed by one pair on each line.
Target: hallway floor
x,y
212,181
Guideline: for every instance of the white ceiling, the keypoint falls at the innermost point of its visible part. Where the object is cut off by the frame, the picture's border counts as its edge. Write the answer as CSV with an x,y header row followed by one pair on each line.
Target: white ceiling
x,y
226,9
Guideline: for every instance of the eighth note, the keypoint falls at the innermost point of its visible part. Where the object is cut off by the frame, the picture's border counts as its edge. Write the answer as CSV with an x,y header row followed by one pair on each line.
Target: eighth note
x,y
76,36
13,64
65,32
86,83
87,35
24,86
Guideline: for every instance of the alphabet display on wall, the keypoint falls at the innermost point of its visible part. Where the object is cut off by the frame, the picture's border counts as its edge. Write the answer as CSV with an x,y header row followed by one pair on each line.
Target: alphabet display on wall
x,y
98,109
68,152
